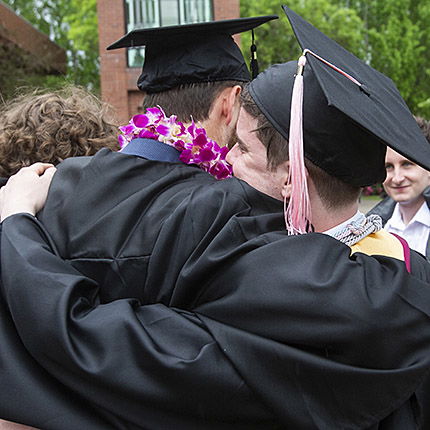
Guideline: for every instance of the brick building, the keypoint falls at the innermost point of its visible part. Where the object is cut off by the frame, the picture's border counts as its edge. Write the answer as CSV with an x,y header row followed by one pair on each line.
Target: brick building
x,y
121,68
25,52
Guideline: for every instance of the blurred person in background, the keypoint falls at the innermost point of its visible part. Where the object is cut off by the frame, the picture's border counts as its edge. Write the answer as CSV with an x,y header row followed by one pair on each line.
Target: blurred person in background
x,y
406,209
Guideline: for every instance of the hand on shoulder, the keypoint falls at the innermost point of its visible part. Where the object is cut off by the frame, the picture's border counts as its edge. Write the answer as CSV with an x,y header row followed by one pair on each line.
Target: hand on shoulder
x,y
27,190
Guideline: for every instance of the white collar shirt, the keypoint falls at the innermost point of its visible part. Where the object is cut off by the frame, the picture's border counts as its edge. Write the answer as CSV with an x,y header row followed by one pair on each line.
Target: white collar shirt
x,y
416,233
340,227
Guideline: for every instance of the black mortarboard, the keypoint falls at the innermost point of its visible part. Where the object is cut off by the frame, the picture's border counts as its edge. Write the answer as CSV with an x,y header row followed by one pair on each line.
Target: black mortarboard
x,y
193,53
345,126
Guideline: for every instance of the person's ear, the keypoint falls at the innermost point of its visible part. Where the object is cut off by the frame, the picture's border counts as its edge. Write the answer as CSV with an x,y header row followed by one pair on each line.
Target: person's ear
x,y
286,187
231,104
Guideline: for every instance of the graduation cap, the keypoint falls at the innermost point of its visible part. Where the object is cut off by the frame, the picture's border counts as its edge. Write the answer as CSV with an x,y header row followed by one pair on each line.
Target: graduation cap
x,y
193,53
343,110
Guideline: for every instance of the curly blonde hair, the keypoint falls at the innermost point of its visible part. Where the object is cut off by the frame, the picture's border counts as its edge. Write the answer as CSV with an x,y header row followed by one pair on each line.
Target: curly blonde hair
x,y
50,127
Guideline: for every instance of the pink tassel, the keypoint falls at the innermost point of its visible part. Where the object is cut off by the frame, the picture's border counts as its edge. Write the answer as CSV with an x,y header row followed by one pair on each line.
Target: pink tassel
x,y
298,210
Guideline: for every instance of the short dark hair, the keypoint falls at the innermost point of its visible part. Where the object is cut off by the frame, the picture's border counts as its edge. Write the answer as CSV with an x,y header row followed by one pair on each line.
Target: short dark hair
x,y
52,126
276,145
190,100
424,126
333,192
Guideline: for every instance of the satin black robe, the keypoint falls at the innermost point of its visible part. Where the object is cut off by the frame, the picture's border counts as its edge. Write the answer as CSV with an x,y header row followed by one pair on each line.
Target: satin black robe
x,y
130,200
250,330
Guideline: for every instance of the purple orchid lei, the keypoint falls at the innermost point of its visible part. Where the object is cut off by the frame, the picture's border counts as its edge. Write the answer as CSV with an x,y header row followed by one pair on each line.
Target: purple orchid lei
x,y
192,142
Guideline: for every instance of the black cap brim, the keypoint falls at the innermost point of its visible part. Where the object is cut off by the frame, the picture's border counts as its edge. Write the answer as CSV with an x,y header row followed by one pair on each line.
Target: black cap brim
x,y
174,34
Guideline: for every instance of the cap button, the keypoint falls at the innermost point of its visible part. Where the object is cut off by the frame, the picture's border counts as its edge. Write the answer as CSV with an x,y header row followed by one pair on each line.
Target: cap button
x,y
365,90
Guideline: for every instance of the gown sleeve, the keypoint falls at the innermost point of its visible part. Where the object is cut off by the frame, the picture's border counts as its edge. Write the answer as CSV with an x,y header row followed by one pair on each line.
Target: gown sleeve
x,y
150,363
296,339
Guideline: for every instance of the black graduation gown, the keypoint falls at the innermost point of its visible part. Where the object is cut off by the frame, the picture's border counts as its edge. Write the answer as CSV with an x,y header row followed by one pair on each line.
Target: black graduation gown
x,y
41,399
104,216
114,215
324,340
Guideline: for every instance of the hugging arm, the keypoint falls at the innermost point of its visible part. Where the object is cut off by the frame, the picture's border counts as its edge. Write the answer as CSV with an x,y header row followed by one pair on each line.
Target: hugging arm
x,y
150,363
26,191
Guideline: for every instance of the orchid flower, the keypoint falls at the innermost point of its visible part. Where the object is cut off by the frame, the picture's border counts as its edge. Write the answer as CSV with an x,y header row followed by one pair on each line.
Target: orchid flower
x,y
192,141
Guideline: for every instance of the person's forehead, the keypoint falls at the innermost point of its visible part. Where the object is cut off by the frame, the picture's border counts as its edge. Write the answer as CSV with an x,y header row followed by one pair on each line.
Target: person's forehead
x,y
246,132
245,119
245,127
394,156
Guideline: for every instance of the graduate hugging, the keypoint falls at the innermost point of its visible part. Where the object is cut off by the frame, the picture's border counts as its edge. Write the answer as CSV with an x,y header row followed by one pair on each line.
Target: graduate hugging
x,y
177,284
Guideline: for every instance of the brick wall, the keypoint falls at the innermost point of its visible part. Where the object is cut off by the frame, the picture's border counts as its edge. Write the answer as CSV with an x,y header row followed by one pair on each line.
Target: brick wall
x,y
226,9
44,53
118,83
112,63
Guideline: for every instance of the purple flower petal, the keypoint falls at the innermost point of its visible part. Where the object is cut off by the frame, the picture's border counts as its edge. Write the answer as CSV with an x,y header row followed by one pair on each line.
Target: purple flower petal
x,y
147,134
163,129
191,129
186,156
182,127
127,129
179,145
140,120
200,140
206,155
221,170
122,141
172,120
223,152
155,111
216,147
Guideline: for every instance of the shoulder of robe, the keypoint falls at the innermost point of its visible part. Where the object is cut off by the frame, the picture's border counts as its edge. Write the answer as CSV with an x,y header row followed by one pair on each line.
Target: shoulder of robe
x,y
380,243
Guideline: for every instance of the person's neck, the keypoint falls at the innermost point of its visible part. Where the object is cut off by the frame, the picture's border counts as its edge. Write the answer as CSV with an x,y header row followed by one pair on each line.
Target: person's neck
x,y
213,130
409,209
324,218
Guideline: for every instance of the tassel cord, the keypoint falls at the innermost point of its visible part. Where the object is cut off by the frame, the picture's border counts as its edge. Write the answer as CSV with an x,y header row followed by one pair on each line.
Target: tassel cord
x,y
298,211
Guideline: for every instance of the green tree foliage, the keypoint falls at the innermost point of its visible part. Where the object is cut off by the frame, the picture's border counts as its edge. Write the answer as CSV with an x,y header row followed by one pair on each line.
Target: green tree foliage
x,y
391,35
84,39
72,24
